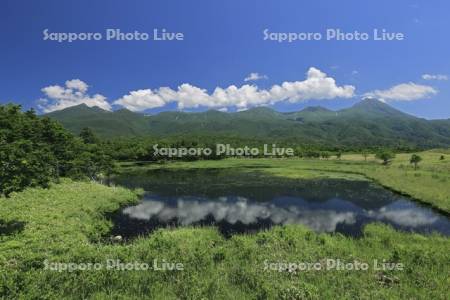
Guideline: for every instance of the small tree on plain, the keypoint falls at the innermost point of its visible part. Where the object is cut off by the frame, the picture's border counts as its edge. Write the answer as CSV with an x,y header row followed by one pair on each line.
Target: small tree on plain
x,y
365,154
385,156
415,159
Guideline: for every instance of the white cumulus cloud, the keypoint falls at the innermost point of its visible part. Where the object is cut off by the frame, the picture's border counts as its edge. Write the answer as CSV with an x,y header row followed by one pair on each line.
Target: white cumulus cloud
x,y
73,93
141,100
77,84
434,77
404,92
317,85
255,76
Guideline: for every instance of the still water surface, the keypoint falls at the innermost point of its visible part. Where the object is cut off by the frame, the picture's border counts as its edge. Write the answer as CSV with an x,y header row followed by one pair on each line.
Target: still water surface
x,y
245,202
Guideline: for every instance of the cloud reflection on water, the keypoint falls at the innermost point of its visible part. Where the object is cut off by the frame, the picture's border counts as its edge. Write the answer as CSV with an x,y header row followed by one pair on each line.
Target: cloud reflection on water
x,y
187,211
407,217
192,211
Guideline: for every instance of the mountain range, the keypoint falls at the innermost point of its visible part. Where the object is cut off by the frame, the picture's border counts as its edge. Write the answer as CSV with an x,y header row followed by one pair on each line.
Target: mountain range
x,y
369,122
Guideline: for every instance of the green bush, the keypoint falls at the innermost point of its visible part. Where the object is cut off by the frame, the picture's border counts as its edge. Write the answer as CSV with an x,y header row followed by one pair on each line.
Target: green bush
x,y
386,156
34,151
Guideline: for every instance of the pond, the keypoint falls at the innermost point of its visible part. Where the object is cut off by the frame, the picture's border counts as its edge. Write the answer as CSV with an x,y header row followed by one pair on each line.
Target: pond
x,y
248,201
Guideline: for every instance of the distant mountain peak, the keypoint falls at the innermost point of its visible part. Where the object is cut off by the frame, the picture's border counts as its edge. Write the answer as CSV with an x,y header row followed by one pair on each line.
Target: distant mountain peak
x,y
373,105
371,101
84,105
80,108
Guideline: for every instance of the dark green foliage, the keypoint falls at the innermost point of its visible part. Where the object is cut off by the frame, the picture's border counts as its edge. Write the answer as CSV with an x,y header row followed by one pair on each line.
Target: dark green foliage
x,y
325,155
386,156
34,151
415,159
88,136
310,154
93,163
24,164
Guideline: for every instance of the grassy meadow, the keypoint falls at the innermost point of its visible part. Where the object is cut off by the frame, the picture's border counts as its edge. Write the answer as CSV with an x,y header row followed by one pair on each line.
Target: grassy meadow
x,y
68,223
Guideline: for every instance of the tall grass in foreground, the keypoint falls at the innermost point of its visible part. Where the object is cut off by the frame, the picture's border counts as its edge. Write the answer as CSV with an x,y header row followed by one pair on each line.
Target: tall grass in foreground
x,y
66,223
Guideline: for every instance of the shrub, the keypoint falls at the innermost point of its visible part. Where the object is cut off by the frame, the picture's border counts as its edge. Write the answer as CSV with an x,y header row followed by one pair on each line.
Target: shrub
x,y
386,156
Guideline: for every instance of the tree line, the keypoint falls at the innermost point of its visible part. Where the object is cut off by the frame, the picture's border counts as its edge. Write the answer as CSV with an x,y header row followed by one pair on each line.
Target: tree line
x,y
35,151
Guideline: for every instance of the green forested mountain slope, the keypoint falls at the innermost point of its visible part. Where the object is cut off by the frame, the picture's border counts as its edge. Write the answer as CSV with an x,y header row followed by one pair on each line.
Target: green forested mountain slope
x,y
367,123
105,123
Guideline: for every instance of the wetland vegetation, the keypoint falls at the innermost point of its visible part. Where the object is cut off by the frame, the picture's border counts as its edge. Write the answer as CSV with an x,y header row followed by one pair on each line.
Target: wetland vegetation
x,y
58,232
68,223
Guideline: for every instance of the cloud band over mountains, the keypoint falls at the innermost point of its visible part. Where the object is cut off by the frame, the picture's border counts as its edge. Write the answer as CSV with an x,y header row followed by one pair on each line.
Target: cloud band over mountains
x,y
317,86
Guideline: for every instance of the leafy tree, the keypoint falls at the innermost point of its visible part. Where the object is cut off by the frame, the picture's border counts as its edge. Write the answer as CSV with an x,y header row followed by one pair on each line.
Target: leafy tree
x,y
415,159
35,151
88,136
386,156
339,155
442,157
94,164
24,165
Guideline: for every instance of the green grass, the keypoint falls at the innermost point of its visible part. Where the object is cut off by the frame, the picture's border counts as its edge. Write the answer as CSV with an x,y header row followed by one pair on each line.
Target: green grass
x,y
66,223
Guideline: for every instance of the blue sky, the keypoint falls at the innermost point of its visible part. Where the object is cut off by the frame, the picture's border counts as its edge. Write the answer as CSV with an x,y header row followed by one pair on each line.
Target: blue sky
x,y
223,44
